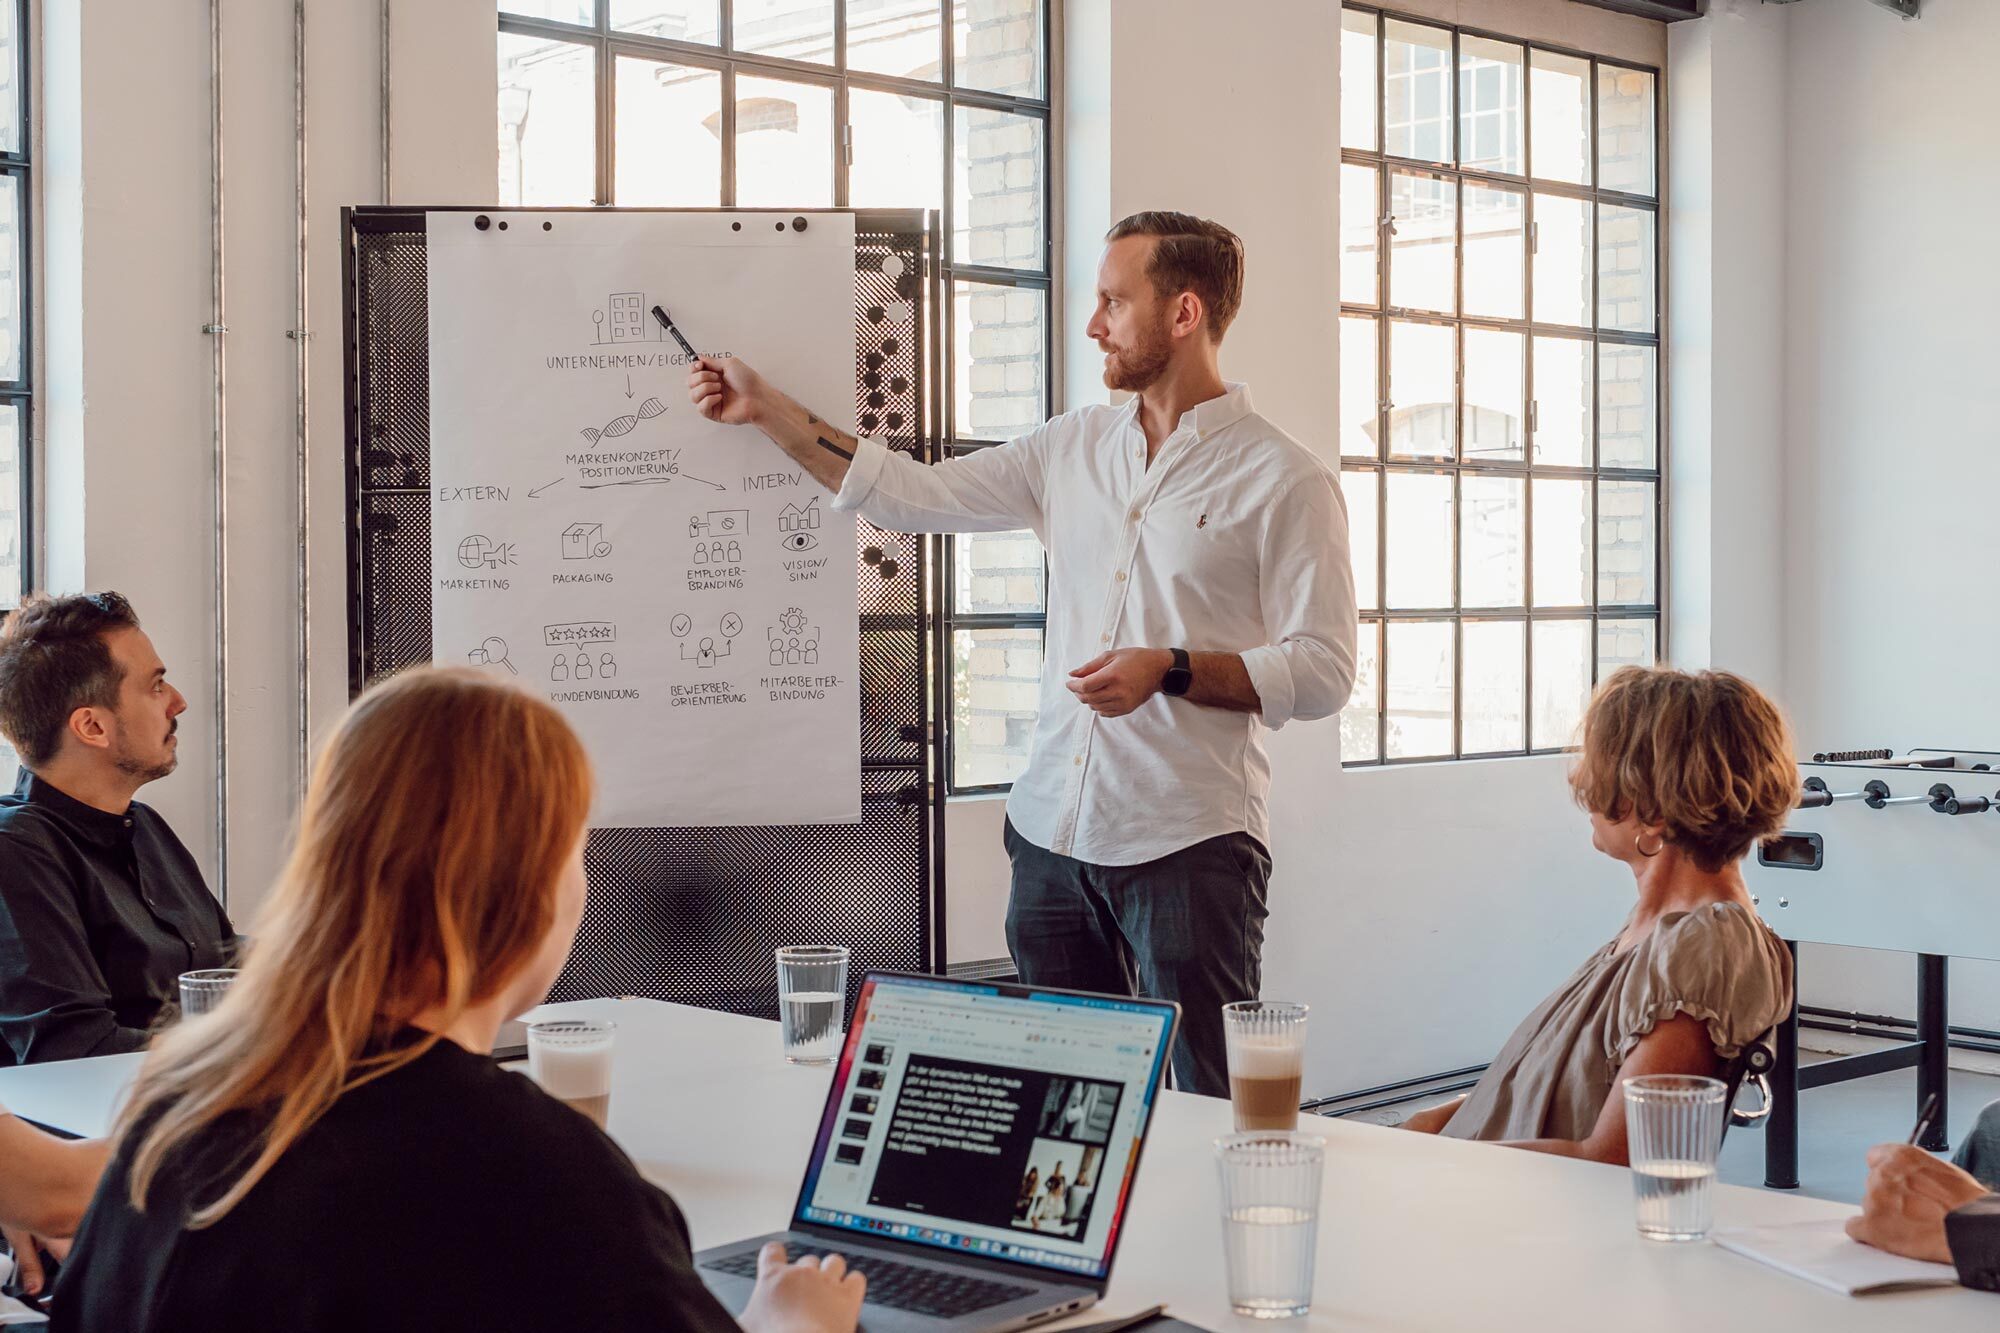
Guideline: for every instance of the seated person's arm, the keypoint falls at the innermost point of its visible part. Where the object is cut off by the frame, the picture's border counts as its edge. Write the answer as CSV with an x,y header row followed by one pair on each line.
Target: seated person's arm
x,y
54,1001
46,1182
1910,1194
1433,1119
1677,1045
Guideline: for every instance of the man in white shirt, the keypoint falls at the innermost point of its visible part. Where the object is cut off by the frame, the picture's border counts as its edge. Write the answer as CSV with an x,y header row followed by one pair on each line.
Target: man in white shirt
x,y
1199,591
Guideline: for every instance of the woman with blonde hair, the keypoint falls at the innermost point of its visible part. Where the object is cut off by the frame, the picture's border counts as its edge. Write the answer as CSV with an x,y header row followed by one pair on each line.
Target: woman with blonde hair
x,y
1681,773
333,1147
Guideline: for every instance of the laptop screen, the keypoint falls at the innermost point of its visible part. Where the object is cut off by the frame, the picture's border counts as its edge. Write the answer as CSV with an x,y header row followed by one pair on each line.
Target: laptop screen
x,y
1000,1121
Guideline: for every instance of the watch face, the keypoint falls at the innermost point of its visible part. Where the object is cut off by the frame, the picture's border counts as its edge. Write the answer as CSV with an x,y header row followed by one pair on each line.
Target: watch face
x,y
1177,680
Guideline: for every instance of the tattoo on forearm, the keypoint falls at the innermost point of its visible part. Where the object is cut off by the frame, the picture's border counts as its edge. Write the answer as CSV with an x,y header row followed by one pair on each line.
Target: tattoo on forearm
x,y
833,448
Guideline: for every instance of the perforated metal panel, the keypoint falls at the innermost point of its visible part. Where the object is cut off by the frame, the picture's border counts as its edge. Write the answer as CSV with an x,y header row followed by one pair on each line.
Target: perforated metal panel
x,y
692,914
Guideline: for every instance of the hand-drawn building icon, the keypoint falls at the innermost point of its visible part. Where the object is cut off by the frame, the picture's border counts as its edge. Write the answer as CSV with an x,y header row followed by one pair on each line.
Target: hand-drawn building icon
x,y
628,317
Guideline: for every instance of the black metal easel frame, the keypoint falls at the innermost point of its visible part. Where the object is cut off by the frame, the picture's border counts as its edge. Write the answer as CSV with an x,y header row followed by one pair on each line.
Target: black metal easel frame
x,y
692,914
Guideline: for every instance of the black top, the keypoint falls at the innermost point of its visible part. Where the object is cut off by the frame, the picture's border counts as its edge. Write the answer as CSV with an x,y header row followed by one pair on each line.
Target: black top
x,y
448,1195
1973,1233
99,916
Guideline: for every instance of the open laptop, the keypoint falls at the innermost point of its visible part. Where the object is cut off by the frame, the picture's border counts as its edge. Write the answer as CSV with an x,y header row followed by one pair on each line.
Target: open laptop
x,y
977,1153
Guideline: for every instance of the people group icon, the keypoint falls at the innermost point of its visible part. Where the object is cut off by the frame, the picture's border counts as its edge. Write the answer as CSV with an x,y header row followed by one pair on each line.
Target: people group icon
x,y
793,650
718,553
580,667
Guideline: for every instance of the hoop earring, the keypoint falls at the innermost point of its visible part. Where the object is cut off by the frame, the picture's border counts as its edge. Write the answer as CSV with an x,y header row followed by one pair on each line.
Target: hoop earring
x,y
1639,846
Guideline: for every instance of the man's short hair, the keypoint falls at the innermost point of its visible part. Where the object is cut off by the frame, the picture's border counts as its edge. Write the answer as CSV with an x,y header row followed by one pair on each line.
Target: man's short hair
x,y
1193,255
53,661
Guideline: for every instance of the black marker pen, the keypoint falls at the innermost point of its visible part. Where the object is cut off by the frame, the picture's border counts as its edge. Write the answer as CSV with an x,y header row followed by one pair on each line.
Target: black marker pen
x,y
668,324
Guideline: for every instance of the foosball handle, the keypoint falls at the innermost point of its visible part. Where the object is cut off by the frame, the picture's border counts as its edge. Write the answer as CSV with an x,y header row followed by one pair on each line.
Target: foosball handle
x,y
1852,756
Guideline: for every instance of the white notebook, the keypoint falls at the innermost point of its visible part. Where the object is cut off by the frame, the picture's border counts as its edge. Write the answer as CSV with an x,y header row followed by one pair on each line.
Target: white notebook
x,y
1822,1253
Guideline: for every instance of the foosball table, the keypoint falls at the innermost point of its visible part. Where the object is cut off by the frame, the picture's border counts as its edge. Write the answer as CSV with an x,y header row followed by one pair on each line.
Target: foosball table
x,y
1887,850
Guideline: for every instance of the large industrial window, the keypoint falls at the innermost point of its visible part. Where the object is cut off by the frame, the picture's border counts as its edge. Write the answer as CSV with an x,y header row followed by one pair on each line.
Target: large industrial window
x,y
940,104
1500,383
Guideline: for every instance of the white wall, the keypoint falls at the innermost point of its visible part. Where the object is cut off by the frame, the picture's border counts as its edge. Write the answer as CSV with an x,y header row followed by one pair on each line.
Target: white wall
x,y
127,416
1891,403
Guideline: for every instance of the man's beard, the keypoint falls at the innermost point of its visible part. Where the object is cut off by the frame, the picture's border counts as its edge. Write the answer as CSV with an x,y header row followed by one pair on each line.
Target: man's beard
x,y
1134,368
133,767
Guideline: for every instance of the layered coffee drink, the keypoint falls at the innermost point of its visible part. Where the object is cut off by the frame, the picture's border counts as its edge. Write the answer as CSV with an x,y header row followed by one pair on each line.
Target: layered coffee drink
x,y
1264,1078
571,1059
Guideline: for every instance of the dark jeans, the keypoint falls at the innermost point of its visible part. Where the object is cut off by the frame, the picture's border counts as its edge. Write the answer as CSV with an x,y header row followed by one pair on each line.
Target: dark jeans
x,y
1188,927
1980,1153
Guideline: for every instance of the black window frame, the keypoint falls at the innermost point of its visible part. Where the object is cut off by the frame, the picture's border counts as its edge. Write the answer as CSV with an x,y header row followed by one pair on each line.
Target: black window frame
x,y
19,393
1385,464
608,44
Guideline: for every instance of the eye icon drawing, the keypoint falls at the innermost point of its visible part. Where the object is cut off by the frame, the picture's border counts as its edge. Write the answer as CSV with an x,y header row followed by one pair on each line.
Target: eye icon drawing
x,y
800,541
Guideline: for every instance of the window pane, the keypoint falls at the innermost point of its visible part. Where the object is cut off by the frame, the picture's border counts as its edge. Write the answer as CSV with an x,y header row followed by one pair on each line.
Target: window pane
x,y
11,448
1001,340
1423,390
900,37
1626,142
998,573
1496,688
1625,251
1559,102
1360,232
10,281
580,12
1489,105
1628,387
1625,527
1361,720
1493,546
1496,252
898,151
1419,540
794,29
1562,542
1423,243
1493,417
1416,87
675,20
1563,381
1563,260
1562,680
996,687
1361,491
1357,80
1623,643
548,122
1360,390
998,185
10,75
784,143
997,46
1420,689
668,132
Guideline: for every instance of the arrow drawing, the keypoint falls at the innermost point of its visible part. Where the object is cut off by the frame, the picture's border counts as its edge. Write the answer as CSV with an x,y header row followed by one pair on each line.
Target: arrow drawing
x,y
628,386
539,489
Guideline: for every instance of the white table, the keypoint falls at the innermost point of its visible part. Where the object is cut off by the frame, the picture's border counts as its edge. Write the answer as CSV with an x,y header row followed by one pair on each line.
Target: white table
x,y
1416,1233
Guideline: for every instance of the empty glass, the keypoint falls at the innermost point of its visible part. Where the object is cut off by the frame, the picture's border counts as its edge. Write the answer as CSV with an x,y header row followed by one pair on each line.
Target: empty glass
x,y
812,988
1673,1129
202,991
1270,1220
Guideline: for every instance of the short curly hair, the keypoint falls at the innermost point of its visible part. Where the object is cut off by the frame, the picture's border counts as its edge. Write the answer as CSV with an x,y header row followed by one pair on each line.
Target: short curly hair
x,y
1704,755
53,661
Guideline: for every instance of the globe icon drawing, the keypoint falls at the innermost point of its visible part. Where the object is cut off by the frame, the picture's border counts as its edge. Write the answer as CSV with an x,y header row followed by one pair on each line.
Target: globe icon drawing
x,y
474,551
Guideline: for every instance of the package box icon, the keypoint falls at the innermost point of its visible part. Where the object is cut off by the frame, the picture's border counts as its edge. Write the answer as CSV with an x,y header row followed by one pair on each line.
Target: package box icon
x,y
584,541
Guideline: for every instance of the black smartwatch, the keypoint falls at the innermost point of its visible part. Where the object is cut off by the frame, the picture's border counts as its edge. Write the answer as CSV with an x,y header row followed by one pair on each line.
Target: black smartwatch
x,y
1179,676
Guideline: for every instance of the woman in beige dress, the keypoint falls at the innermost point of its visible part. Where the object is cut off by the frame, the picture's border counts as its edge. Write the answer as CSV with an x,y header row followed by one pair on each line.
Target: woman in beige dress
x,y
1681,774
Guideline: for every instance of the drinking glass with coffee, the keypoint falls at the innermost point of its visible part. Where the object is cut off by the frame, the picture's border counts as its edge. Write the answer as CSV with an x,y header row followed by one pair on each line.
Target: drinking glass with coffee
x,y
1266,1041
571,1059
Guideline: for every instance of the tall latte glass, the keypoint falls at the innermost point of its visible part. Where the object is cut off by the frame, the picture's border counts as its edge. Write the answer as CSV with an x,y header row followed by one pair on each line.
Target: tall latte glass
x,y
1267,1051
571,1059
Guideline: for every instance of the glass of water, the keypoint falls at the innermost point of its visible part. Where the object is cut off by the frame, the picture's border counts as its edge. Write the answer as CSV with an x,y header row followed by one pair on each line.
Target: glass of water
x,y
1673,1128
202,991
812,989
1270,1220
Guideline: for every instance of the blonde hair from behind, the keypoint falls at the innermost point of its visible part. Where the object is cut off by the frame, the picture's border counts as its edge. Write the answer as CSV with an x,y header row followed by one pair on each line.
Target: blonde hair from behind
x,y
441,815
1703,755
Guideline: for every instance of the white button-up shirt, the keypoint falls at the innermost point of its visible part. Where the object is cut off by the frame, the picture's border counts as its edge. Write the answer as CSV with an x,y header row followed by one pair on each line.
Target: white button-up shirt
x,y
1233,540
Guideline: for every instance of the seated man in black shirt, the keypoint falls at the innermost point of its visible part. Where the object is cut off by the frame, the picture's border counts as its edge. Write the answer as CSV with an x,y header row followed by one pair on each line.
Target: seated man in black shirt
x,y
101,907
1921,1207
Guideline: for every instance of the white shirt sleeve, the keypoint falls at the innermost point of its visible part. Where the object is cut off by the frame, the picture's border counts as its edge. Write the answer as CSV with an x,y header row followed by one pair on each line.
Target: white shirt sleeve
x,y
988,490
1305,669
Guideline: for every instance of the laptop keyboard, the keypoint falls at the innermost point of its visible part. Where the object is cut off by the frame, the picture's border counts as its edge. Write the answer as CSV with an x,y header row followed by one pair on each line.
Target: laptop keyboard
x,y
939,1293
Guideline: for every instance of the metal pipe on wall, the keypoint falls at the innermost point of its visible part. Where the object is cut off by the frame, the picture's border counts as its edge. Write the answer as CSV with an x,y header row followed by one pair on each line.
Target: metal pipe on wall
x,y
218,329
300,344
